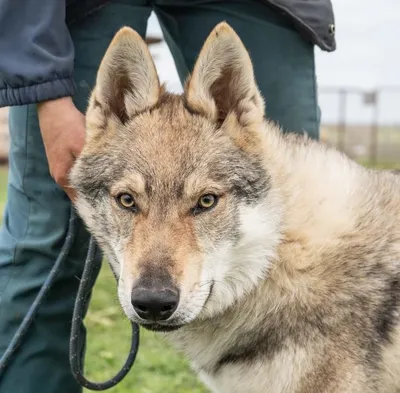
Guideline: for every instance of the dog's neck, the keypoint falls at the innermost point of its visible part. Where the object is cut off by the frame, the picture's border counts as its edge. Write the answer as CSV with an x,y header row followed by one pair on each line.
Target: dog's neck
x,y
317,198
323,197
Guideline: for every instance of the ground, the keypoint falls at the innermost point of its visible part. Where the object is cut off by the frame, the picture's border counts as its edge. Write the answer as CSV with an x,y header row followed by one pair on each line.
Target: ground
x,y
158,368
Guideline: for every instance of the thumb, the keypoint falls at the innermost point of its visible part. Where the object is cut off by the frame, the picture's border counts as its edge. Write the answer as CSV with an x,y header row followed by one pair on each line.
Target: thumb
x,y
71,193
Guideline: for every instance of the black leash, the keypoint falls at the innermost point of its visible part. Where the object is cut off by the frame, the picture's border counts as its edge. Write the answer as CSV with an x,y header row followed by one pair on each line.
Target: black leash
x,y
76,349
76,345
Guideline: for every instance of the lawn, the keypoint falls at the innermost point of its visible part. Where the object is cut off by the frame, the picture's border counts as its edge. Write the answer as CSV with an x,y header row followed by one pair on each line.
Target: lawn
x,y
158,368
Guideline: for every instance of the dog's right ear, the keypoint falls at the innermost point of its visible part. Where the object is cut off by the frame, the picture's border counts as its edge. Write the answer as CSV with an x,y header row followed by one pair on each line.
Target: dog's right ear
x,y
127,82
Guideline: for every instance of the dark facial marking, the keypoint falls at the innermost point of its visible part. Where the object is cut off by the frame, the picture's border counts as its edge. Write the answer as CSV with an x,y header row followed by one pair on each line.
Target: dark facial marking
x,y
96,104
155,271
97,174
246,176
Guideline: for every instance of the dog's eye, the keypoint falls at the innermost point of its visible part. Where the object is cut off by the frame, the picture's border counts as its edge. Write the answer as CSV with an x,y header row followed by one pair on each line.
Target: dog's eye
x,y
206,202
126,201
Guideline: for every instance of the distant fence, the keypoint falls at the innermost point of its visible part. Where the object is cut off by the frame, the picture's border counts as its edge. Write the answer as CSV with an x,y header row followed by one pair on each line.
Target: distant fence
x,y
365,124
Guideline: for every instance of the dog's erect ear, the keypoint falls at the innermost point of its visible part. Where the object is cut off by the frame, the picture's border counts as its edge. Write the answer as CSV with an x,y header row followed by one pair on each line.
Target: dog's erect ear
x,y
223,79
127,81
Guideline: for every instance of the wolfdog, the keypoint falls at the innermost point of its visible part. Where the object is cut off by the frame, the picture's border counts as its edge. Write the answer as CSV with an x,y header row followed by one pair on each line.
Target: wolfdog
x,y
271,260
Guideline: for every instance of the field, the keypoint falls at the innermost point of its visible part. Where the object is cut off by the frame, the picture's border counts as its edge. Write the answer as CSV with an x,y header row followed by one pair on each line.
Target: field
x,y
158,368
357,142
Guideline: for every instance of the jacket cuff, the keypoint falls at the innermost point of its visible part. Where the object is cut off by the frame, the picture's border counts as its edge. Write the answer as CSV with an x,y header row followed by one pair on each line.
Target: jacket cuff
x,y
57,88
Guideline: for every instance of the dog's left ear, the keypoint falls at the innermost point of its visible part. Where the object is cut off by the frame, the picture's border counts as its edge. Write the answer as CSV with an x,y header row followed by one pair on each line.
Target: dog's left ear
x,y
127,82
223,80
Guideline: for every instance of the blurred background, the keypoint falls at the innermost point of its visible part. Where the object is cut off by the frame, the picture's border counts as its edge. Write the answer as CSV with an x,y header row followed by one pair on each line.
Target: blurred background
x,y
359,95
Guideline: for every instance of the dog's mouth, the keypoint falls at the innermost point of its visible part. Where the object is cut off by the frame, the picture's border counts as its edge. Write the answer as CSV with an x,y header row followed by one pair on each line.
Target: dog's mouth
x,y
156,327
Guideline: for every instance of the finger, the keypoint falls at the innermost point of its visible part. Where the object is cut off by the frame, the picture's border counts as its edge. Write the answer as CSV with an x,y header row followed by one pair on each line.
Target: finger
x,y
79,142
77,146
70,192
75,154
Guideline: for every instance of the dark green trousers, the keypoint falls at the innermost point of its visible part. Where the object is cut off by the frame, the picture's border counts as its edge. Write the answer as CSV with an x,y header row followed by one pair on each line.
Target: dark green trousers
x,y
37,210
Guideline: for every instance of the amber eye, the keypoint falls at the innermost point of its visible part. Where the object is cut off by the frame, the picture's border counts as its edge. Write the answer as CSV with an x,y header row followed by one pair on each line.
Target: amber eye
x,y
126,201
206,202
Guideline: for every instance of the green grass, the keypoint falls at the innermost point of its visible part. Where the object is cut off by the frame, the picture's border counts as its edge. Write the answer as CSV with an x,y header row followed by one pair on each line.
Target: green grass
x,y
158,368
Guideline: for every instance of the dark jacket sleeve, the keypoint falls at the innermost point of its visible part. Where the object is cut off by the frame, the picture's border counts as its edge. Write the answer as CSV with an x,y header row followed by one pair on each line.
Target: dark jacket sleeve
x,y
36,52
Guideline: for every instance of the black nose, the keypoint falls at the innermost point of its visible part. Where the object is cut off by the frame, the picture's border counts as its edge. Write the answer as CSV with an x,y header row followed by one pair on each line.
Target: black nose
x,y
154,304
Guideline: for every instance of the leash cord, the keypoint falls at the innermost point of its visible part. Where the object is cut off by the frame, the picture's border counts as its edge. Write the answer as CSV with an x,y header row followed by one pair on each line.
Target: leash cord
x,y
23,328
76,342
77,346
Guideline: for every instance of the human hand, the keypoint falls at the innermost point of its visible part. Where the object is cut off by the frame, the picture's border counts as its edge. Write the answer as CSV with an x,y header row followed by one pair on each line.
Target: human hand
x,y
62,127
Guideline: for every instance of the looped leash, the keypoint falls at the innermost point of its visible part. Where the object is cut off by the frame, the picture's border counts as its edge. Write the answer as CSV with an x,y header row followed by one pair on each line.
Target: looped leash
x,y
76,352
76,344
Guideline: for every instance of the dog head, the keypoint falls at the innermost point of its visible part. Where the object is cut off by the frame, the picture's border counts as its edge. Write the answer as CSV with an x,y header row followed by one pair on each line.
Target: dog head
x,y
174,188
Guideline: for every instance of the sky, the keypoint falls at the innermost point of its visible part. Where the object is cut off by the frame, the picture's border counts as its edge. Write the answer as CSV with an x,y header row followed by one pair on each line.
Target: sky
x,y
368,45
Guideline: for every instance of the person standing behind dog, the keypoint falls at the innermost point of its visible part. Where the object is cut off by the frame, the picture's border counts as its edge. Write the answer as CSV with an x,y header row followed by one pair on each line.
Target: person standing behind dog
x,y
49,54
